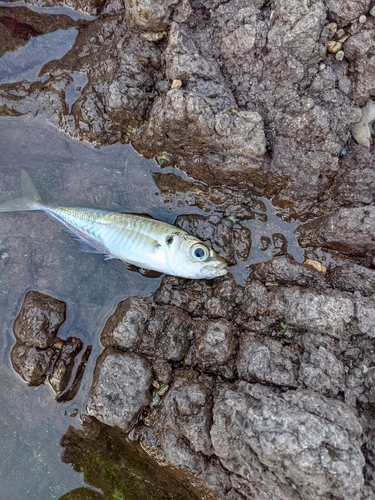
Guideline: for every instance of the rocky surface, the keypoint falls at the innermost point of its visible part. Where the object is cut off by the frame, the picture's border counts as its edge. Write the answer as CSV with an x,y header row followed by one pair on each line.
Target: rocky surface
x,y
260,390
39,355
39,319
260,101
272,392
120,389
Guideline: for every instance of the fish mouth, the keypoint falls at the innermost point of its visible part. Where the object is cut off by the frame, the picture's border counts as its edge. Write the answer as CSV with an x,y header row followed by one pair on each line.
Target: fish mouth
x,y
219,268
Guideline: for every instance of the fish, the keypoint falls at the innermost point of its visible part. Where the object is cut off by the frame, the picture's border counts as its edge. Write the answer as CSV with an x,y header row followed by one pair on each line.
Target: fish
x,y
135,239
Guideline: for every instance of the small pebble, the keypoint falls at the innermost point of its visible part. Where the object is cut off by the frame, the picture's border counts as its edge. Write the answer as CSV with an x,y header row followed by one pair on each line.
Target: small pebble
x,y
317,265
155,399
176,84
4,255
322,66
362,19
334,47
332,28
340,55
364,368
340,33
153,37
372,11
343,152
163,389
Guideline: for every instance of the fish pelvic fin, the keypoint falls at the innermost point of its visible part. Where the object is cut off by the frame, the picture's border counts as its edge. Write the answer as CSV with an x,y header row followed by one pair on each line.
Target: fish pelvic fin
x,y
30,200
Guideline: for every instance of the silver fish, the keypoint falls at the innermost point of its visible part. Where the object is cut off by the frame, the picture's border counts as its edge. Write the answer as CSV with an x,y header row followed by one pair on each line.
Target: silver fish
x,y
137,240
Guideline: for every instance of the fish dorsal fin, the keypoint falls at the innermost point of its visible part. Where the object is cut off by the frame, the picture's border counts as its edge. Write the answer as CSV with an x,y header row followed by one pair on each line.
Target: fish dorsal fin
x,y
28,190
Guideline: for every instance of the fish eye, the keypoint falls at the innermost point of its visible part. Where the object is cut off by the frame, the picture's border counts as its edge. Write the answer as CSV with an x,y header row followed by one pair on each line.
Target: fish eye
x,y
199,252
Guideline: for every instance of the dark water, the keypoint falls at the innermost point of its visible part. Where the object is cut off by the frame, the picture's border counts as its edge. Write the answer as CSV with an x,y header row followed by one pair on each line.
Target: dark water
x,y
37,254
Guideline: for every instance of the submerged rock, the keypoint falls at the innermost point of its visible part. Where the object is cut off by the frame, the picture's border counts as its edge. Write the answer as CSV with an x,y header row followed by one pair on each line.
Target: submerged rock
x,y
31,363
39,319
62,370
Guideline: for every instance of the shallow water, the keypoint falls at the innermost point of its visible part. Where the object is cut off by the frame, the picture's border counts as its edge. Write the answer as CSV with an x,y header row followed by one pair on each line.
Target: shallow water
x,y
36,253
26,62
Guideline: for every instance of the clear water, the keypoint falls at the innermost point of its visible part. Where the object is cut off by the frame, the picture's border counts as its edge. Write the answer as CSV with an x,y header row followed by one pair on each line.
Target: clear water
x,y
26,62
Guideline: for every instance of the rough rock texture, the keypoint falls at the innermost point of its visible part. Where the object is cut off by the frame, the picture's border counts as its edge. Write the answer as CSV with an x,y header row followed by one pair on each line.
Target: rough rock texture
x,y
297,439
233,241
62,370
120,388
351,277
288,436
267,362
31,363
322,372
39,319
311,311
214,347
261,104
350,230
264,390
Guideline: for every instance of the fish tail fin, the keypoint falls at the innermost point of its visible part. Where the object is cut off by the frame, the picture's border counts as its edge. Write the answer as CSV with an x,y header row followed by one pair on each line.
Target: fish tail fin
x,y
30,200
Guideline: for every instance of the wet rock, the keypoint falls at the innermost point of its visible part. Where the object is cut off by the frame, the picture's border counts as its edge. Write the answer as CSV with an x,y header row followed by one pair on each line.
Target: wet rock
x,y
221,234
178,433
191,402
120,389
39,319
355,185
137,325
124,328
93,7
362,131
351,277
266,361
322,372
216,307
150,14
62,370
31,363
18,25
190,296
203,118
167,335
288,272
350,230
255,300
213,347
77,373
299,22
343,12
312,312
259,435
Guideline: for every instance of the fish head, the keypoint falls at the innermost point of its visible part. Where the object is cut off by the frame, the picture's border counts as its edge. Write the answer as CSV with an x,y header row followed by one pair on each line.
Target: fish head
x,y
190,258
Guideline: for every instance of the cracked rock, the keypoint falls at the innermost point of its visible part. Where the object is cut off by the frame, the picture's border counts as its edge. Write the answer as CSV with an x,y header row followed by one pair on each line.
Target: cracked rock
x,y
120,389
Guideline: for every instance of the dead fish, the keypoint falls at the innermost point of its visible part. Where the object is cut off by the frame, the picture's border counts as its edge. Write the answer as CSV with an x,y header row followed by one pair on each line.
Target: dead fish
x,y
135,239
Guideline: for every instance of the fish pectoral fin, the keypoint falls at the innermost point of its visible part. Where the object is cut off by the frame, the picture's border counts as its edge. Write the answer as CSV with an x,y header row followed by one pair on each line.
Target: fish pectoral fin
x,y
84,245
108,257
